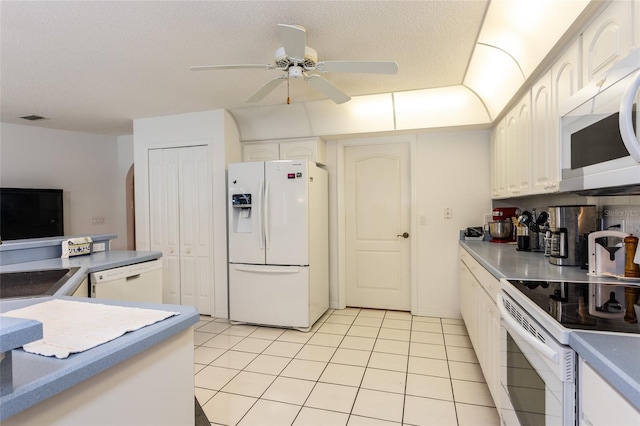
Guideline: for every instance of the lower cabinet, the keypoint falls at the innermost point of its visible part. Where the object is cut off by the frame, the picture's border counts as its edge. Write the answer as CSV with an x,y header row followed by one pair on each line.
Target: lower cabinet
x,y
599,403
478,306
83,289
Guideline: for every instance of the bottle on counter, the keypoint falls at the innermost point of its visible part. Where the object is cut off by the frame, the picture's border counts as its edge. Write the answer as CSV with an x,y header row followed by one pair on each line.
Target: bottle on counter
x,y
631,269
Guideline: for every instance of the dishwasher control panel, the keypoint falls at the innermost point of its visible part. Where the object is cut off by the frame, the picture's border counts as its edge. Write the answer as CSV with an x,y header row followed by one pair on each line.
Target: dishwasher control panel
x,y
125,271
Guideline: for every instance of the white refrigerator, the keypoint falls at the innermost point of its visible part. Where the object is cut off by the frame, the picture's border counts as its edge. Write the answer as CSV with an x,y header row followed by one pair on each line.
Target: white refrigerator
x,y
278,243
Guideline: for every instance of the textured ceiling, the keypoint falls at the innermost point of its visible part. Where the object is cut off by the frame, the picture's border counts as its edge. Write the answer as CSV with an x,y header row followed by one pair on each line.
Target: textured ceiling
x,y
95,66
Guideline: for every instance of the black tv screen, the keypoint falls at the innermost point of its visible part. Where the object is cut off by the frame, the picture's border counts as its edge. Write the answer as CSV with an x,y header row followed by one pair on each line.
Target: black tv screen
x,y
30,213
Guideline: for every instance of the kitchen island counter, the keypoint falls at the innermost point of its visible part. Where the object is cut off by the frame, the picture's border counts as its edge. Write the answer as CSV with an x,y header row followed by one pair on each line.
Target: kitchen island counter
x,y
63,389
614,357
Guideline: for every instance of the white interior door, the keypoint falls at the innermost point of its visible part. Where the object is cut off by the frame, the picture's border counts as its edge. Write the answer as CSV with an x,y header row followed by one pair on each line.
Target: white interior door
x,y
179,210
195,232
377,214
164,230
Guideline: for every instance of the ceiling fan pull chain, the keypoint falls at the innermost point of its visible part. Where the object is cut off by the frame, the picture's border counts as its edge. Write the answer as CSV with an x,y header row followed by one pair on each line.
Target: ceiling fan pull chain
x,y
288,99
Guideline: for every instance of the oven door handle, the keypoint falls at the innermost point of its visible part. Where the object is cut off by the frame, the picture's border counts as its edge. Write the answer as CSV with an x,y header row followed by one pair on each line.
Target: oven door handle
x,y
517,328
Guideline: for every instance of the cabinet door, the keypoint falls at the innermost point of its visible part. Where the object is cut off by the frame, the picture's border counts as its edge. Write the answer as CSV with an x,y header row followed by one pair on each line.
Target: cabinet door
x,y
607,39
309,149
83,289
600,404
260,151
164,231
179,221
195,233
545,149
498,162
468,306
521,148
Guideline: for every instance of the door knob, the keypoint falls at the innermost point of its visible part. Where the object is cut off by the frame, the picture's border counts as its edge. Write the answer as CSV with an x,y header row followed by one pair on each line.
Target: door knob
x,y
403,235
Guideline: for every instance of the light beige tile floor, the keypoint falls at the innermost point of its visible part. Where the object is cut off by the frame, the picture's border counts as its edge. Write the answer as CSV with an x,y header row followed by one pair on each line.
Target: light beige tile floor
x,y
355,367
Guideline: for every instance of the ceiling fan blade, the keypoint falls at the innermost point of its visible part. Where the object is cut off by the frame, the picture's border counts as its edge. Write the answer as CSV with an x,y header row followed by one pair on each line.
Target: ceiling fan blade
x,y
294,40
230,67
329,90
374,67
266,89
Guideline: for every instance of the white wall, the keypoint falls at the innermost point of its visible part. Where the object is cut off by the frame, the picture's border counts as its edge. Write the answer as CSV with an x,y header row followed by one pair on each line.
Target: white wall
x,y
125,161
84,165
451,169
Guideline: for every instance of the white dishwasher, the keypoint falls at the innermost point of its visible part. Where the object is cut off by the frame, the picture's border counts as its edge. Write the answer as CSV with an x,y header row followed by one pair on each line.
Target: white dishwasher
x,y
140,282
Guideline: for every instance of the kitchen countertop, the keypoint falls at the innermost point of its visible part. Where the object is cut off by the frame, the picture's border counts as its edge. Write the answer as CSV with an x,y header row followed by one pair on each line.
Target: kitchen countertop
x,y
614,357
37,378
87,263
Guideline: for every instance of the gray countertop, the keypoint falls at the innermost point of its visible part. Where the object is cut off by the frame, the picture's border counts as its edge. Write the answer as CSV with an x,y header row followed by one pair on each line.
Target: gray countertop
x,y
614,357
37,378
87,264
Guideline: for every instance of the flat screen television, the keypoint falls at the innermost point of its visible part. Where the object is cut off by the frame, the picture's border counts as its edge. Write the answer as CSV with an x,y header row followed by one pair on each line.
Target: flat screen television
x,y
30,213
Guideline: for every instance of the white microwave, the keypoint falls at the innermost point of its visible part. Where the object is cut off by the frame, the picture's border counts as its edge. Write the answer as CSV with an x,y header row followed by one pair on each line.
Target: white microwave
x,y
599,141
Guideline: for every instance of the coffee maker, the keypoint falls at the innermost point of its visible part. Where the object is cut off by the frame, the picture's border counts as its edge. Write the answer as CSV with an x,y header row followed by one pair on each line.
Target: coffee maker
x,y
570,226
501,227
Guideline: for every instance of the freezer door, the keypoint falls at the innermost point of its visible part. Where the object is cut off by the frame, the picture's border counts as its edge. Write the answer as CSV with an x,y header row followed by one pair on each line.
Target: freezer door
x,y
287,212
245,201
269,295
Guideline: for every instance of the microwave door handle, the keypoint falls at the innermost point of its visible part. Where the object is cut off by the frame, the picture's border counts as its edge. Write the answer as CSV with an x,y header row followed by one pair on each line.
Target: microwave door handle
x,y
626,119
524,335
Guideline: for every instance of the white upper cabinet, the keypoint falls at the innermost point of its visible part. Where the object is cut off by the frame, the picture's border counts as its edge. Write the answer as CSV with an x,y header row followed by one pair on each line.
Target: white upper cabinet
x,y
313,149
545,149
260,151
607,39
498,162
518,148
526,154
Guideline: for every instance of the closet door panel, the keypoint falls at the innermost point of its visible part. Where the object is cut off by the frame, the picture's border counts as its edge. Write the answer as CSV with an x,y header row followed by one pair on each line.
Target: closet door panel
x,y
195,195
164,218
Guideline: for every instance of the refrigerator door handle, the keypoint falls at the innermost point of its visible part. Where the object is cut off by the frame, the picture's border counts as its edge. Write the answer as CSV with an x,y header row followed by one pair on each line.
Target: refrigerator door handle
x,y
262,269
266,215
261,215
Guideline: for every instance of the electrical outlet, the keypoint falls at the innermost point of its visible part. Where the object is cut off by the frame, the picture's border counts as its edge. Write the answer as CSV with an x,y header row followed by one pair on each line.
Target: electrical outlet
x,y
99,247
97,220
447,213
423,220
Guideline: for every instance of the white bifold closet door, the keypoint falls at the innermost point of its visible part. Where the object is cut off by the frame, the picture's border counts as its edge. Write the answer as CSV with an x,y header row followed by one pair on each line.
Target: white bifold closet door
x,y
180,223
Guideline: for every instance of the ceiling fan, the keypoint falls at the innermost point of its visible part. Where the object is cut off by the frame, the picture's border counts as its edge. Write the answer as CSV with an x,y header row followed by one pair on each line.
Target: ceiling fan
x,y
297,59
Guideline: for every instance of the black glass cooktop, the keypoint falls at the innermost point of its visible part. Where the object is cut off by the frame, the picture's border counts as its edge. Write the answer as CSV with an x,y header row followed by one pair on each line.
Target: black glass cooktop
x,y
585,306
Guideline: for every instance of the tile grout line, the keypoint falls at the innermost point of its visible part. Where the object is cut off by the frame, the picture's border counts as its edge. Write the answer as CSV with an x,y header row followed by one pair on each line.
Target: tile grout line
x,y
453,395
307,344
366,365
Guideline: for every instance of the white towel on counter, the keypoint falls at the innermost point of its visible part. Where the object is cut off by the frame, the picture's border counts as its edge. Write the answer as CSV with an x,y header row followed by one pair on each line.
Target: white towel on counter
x,y
70,327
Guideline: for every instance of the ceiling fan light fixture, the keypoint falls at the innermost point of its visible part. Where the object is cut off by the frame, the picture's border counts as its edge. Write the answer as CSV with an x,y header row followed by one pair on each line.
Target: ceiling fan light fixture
x,y
295,72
